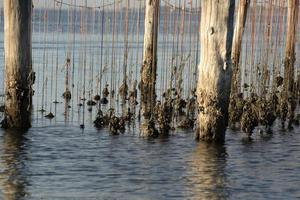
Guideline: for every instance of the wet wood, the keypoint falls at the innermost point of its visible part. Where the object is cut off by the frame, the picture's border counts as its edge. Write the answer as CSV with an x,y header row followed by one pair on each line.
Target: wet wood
x,y
18,63
148,71
215,68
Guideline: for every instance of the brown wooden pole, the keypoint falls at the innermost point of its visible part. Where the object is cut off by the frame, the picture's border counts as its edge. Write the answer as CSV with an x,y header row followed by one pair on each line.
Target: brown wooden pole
x,y
290,55
149,66
236,52
18,63
237,43
215,68
288,100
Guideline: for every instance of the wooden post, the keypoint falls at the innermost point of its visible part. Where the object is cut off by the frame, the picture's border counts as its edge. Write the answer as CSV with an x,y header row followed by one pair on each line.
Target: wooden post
x,y
236,51
148,71
18,64
288,93
237,43
289,62
215,72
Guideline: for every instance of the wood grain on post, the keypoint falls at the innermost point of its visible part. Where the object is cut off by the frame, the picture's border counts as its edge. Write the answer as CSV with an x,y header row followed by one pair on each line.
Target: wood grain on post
x,y
290,57
215,68
237,43
148,71
18,63
235,55
288,99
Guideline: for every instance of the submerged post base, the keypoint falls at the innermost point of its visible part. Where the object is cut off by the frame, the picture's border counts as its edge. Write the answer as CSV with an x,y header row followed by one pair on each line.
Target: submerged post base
x,y
148,129
6,124
210,128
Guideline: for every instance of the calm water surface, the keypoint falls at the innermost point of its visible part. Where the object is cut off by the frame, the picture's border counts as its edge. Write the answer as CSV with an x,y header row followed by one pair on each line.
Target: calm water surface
x,y
63,162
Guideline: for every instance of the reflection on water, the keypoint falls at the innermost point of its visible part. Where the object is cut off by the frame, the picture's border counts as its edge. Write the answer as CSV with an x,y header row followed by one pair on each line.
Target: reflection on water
x,y
207,177
13,153
64,162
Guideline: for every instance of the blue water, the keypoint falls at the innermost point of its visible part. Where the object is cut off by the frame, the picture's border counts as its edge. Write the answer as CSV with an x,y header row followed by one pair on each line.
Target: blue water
x,y
63,162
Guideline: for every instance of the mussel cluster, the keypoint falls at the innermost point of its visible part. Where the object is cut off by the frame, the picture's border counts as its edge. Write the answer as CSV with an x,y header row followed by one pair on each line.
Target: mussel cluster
x,y
263,111
115,124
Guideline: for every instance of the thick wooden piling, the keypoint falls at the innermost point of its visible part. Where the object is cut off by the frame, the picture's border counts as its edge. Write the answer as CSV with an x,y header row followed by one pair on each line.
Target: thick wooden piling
x,y
290,57
215,72
237,43
148,71
18,63
288,93
236,52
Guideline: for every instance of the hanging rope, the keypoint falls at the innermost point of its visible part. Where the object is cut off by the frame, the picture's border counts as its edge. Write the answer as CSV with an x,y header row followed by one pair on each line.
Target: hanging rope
x,y
195,10
85,6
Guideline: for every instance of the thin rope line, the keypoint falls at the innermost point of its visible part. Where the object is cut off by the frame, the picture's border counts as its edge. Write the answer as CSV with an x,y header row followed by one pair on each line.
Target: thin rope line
x,y
87,7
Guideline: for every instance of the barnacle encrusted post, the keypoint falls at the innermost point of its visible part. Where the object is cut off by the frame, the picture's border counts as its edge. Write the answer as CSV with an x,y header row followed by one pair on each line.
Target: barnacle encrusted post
x,y
288,93
148,71
236,51
215,72
19,76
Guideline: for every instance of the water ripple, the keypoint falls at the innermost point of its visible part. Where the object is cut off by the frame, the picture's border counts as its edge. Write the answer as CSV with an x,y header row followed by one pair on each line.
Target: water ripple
x,y
60,162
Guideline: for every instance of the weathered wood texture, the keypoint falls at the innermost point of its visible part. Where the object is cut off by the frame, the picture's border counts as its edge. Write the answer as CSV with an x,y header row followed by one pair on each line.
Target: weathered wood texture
x,y
235,55
237,43
215,68
148,71
290,57
18,63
